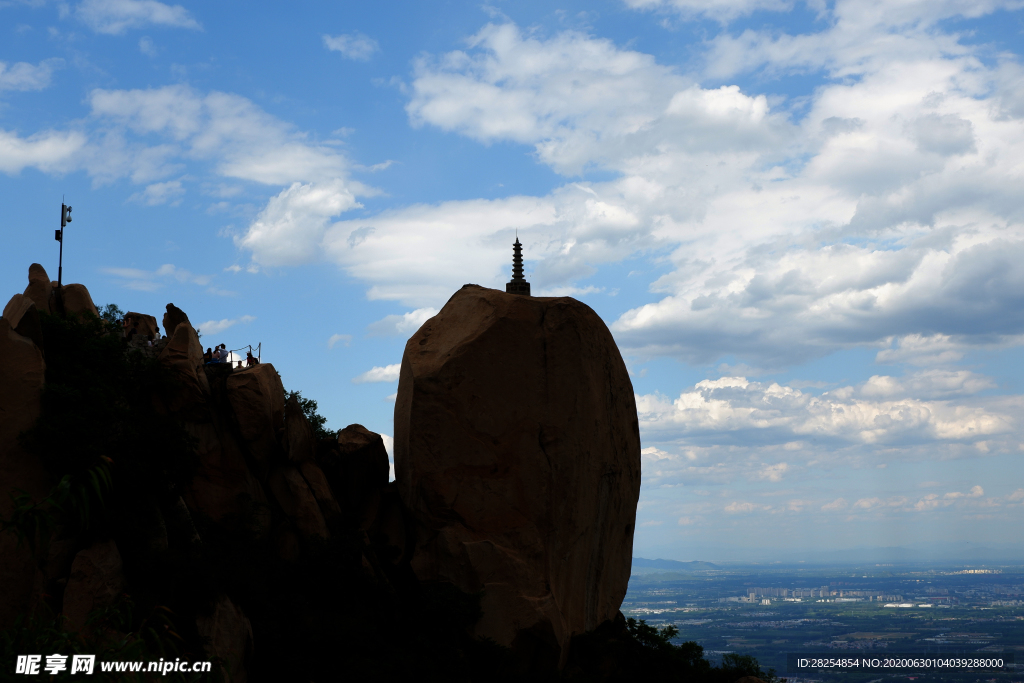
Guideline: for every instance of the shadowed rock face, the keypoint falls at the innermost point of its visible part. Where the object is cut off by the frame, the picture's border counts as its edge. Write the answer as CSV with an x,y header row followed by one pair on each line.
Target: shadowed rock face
x,y
172,318
356,465
257,399
517,451
96,580
77,300
22,372
39,287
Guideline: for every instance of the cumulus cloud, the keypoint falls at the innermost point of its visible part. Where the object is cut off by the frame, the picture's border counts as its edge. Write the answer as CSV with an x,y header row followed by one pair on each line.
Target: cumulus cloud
x,y
719,10
834,506
244,141
218,326
352,45
152,280
401,325
580,101
117,16
420,254
335,338
772,413
159,193
388,373
49,151
883,217
25,76
291,228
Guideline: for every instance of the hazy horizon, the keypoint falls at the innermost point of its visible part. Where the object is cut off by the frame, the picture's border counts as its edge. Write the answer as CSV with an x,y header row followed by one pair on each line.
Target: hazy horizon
x,y
801,221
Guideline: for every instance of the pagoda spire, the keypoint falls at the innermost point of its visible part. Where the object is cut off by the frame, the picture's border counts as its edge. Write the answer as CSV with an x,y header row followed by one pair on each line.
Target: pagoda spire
x,y
518,285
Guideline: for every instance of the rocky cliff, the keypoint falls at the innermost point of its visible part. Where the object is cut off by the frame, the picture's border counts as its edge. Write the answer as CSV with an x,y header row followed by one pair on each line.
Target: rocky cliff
x,y
200,498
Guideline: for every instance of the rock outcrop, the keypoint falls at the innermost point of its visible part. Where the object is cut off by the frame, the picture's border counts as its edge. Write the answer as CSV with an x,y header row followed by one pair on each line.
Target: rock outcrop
x,y
228,634
517,455
147,324
257,399
22,372
301,443
22,314
39,287
517,451
172,318
356,466
184,354
97,579
77,300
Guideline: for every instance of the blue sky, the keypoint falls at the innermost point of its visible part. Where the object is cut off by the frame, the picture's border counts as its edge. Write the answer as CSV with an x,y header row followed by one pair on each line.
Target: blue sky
x,y
802,222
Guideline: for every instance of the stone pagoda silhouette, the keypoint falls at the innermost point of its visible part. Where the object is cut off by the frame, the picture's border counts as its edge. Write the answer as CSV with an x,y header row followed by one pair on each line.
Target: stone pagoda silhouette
x,y
517,285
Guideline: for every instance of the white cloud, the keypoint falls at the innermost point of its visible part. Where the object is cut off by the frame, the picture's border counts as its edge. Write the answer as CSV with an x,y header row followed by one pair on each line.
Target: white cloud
x,y
933,383
291,228
147,47
882,217
719,10
116,16
834,506
244,141
420,254
218,326
388,373
401,325
576,99
48,151
152,280
773,472
159,193
352,45
25,76
335,338
771,413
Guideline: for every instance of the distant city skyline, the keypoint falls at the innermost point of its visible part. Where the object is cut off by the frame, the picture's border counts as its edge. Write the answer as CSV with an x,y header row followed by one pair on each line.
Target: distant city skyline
x,y
800,220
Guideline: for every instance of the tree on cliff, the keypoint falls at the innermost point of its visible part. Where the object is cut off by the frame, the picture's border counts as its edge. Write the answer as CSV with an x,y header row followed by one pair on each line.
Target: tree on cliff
x,y
309,408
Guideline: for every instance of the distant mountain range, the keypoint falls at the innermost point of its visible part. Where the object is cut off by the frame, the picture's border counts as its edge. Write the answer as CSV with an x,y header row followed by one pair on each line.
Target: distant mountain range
x,y
645,566
953,552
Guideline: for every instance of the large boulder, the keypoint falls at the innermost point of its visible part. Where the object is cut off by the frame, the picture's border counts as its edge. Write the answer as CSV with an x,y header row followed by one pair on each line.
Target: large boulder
x,y
77,300
256,396
23,315
97,579
321,489
147,325
22,373
228,636
300,442
297,501
356,465
517,452
184,354
172,318
39,287
223,488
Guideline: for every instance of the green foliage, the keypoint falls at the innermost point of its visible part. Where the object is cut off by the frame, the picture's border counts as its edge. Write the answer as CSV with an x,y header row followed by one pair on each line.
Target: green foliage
x,y
635,650
73,496
316,420
112,633
100,424
110,313
118,457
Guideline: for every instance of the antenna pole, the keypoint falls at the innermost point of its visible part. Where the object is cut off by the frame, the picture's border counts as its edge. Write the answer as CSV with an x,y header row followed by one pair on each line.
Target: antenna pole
x,y
65,218
60,238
